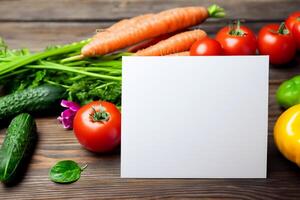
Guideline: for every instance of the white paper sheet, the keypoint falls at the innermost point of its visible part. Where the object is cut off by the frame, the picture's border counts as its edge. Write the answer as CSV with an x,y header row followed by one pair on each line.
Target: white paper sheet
x,y
194,117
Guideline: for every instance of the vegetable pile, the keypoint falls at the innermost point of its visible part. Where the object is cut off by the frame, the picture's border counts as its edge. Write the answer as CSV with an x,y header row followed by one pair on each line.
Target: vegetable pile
x,y
84,80
88,73
282,45
144,27
87,70
275,40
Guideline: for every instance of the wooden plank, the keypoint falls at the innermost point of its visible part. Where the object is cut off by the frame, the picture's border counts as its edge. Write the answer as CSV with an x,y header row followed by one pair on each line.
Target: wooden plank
x,y
101,178
97,10
37,36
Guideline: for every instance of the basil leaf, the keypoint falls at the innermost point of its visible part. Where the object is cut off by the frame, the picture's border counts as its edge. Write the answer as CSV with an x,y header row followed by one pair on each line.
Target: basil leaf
x,y
66,171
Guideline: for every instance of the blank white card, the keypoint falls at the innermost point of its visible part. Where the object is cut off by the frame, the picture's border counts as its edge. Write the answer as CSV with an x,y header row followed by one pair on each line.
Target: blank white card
x,y
194,117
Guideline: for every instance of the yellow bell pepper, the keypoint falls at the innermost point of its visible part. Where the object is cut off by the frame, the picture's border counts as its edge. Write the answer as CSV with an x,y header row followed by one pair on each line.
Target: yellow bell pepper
x,y
287,134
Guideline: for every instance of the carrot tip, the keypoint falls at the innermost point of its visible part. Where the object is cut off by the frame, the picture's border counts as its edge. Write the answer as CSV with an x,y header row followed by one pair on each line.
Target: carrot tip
x,y
86,50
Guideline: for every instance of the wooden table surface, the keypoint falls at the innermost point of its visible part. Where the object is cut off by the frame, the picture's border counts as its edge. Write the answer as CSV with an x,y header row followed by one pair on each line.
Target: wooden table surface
x,y
38,23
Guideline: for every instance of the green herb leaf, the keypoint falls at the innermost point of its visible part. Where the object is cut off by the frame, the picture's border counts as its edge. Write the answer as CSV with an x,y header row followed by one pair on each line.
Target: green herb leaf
x,y
66,171
85,79
39,76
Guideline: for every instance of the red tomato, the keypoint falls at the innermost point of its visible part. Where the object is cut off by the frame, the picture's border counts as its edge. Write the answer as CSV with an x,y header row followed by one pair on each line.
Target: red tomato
x,y
293,24
97,126
277,42
292,20
237,40
206,47
296,34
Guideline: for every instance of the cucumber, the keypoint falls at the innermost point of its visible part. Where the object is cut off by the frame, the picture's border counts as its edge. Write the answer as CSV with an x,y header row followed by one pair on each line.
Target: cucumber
x,y
20,136
30,100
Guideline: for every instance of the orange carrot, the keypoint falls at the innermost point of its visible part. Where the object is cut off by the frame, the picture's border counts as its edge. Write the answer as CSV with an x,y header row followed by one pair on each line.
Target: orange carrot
x,y
125,23
164,22
121,25
177,43
148,43
184,53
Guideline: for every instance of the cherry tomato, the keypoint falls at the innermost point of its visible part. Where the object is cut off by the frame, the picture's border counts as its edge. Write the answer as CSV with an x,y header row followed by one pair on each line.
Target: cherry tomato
x,y
206,47
277,42
97,126
296,34
292,20
237,40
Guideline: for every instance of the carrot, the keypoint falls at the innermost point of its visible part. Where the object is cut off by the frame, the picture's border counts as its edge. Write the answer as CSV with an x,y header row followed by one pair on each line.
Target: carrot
x,y
129,22
184,53
164,22
123,24
177,43
148,43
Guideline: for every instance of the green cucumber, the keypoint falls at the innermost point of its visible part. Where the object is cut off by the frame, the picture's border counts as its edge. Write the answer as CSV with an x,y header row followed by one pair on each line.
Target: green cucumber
x,y
30,100
17,143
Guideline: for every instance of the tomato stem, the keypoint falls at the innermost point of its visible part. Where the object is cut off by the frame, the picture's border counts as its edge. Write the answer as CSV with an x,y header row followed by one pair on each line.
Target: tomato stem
x,y
100,116
282,30
236,30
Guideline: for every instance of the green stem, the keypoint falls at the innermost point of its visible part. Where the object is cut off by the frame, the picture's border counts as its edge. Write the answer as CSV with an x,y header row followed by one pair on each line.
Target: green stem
x,y
105,85
215,11
7,67
57,84
13,73
236,30
101,115
113,63
116,73
282,30
76,78
73,58
96,69
77,63
70,69
8,59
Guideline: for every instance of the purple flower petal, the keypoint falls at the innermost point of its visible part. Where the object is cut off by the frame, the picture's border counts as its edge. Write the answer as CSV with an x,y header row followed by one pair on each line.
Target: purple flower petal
x,y
66,117
74,107
69,104
67,123
60,119
67,113
64,103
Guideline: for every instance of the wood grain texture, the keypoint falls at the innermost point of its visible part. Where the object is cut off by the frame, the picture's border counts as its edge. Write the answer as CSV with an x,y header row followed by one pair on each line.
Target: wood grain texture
x,y
38,23
101,178
97,10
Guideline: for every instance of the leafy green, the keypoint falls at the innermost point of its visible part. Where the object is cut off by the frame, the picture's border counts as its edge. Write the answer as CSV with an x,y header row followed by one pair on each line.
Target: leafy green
x,y
66,171
85,79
